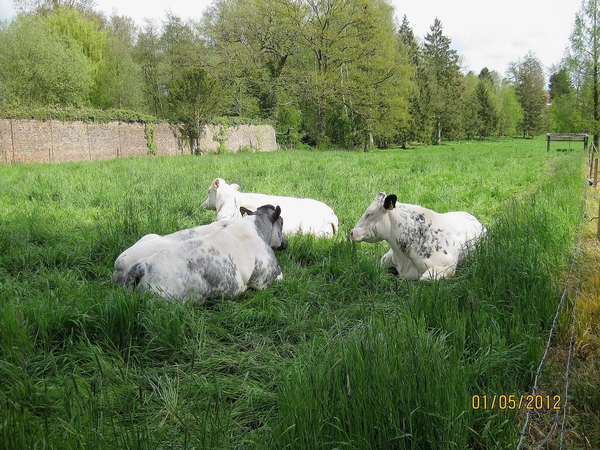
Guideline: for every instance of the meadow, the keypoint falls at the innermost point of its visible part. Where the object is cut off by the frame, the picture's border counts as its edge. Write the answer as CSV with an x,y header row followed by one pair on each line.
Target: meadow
x,y
337,355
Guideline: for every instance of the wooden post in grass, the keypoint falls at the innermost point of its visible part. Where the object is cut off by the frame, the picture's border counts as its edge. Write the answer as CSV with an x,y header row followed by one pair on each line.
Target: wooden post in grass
x,y
598,220
595,171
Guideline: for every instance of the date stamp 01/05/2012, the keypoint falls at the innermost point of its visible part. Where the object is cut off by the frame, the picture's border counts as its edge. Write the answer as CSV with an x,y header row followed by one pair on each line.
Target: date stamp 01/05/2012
x,y
521,401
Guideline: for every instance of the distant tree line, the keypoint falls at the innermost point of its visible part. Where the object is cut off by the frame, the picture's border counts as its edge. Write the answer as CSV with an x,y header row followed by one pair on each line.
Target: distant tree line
x,y
328,73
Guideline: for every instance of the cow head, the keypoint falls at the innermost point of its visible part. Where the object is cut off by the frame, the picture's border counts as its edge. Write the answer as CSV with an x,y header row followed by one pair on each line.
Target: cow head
x,y
373,221
269,225
219,194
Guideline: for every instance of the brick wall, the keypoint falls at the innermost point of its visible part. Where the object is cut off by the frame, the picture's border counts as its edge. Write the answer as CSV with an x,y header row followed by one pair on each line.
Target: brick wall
x,y
53,141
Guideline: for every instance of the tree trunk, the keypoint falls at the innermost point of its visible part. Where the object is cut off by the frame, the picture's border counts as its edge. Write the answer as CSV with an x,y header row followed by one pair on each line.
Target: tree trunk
x,y
369,142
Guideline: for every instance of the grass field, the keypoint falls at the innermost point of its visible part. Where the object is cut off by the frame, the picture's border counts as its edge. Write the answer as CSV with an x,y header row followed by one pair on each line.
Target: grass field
x,y
337,355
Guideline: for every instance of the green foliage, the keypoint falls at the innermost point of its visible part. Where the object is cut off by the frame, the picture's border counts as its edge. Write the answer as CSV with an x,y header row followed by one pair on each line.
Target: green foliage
x,y
150,138
511,115
528,76
66,114
221,138
38,66
442,85
193,99
583,62
119,80
337,354
327,73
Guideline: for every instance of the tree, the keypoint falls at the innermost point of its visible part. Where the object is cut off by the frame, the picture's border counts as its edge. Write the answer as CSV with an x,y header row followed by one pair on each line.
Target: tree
x,y
583,61
40,67
44,6
148,56
563,114
119,80
357,79
442,83
193,99
181,47
511,113
528,77
487,114
410,47
252,43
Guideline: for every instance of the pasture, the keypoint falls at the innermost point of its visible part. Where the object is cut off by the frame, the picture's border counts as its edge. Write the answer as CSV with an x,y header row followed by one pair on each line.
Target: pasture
x,y
337,355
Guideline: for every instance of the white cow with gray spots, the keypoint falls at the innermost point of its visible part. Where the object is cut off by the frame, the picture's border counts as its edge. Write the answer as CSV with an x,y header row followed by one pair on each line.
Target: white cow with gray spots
x,y
425,245
152,243
220,264
302,215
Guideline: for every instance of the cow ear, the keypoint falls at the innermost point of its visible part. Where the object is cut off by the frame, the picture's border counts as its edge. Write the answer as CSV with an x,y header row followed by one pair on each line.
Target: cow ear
x,y
390,202
215,183
245,212
277,213
235,186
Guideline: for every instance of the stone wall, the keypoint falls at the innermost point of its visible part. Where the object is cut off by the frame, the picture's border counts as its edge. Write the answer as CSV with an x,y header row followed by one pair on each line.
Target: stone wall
x,y
52,141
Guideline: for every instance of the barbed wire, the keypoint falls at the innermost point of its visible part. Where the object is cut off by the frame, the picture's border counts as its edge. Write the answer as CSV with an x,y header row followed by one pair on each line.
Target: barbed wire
x,y
577,251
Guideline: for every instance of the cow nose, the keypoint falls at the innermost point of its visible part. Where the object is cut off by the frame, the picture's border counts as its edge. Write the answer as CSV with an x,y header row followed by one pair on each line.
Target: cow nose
x,y
284,244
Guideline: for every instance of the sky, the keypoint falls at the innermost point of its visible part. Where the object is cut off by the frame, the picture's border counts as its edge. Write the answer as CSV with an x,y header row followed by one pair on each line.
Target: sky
x,y
485,34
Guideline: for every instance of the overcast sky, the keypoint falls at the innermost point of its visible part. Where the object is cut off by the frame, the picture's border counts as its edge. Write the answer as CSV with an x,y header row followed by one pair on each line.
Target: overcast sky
x,y
485,34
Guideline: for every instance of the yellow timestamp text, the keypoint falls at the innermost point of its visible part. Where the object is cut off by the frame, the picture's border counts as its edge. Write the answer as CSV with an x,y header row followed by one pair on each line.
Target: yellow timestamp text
x,y
512,401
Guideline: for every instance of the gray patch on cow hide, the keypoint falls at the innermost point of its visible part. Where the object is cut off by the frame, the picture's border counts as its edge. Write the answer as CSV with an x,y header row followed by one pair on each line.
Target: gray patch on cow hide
x,y
417,236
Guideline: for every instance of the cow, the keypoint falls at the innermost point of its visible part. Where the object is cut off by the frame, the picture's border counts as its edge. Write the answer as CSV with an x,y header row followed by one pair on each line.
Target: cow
x,y
424,244
302,215
220,264
151,243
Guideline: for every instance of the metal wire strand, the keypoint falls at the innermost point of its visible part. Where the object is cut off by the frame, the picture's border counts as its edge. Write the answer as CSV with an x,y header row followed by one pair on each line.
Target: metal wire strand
x,y
576,251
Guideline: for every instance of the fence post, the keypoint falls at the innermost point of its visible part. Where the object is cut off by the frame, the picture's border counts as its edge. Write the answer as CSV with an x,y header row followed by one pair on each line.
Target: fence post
x,y
595,171
598,220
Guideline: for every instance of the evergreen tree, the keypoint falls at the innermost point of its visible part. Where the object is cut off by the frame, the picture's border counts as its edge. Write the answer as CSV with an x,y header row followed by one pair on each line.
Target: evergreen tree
x,y
486,111
411,48
443,83
193,99
528,77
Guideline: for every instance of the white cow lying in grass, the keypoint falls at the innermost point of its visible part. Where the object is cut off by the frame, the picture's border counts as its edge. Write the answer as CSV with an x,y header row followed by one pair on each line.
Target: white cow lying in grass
x,y
235,256
425,245
302,215
151,243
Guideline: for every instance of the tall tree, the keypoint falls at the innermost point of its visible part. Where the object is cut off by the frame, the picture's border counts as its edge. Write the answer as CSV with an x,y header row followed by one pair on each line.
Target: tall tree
x,y
358,79
181,47
148,55
528,77
193,99
119,82
411,48
40,67
441,65
252,43
584,63
511,112
486,110
563,113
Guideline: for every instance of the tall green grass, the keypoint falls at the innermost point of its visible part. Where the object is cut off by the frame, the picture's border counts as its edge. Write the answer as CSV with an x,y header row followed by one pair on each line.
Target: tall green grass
x,y
337,355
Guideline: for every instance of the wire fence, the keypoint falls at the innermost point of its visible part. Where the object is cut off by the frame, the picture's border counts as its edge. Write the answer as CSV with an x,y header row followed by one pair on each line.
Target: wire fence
x,y
573,280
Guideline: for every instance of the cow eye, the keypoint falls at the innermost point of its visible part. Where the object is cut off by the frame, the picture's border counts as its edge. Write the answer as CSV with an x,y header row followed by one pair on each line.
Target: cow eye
x,y
368,215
